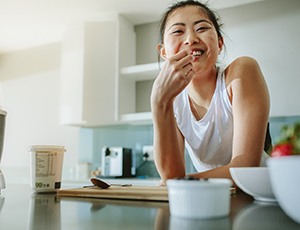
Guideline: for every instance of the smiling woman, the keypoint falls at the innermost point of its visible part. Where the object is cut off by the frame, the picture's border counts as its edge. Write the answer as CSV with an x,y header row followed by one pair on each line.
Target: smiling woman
x,y
201,105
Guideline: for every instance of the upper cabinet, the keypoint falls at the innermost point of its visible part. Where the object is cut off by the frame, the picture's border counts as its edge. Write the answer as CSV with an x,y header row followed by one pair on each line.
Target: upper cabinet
x,y
93,51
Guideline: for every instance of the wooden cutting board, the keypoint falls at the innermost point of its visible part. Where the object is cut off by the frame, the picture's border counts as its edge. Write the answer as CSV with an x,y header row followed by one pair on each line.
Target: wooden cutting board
x,y
147,193
151,193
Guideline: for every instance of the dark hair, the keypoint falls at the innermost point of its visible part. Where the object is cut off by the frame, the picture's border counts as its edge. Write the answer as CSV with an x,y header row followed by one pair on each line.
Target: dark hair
x,y
210,14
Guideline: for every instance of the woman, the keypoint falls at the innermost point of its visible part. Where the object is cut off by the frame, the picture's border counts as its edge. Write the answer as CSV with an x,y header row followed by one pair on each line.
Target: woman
x,y
219,114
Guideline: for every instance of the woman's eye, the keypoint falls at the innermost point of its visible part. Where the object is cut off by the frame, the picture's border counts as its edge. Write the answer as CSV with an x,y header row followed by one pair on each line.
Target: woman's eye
x,y
202,28
177,31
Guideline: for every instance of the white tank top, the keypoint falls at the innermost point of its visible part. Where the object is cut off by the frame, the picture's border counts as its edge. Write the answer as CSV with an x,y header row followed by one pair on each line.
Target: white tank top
x,y
209,140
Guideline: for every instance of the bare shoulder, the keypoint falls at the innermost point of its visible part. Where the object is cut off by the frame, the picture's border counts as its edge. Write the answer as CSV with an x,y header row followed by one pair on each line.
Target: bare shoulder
x,y
244,77
243,67
244,60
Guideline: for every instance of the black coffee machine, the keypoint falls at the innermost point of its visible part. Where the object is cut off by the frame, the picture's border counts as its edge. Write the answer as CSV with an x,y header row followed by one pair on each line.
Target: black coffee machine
x,y
116,162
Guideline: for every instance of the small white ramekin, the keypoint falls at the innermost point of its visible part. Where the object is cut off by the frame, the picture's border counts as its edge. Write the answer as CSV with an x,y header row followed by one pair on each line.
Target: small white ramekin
x,y
199,198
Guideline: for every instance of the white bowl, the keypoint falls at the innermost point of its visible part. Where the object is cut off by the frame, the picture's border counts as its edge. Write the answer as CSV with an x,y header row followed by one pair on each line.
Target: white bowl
x,y
255,181
284,173
199,198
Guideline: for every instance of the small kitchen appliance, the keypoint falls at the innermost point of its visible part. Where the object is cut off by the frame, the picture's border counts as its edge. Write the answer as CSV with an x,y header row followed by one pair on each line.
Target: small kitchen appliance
x,y
2,129
116,162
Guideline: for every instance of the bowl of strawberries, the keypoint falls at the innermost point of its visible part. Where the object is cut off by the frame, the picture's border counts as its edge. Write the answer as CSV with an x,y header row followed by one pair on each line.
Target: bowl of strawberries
x,y
284,170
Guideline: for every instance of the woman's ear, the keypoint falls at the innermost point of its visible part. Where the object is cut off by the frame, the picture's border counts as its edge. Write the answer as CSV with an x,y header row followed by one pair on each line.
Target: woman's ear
x,y
161,51
221,44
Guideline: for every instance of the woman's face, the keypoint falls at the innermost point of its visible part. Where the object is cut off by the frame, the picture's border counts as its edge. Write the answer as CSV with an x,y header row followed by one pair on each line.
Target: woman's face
x,y
190,29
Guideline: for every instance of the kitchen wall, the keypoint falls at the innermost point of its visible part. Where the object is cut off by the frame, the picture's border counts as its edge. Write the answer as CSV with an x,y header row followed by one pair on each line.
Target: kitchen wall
x,y
268,31
128,136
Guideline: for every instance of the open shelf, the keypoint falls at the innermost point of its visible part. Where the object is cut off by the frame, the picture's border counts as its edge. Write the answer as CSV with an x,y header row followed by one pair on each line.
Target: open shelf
x,y
137,118
141,72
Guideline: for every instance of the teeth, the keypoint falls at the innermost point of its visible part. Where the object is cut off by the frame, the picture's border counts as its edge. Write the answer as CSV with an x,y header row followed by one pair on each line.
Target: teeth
x,y
197,52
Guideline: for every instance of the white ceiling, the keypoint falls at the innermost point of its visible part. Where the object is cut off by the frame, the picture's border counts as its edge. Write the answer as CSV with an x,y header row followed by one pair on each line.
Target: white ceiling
x,y
29,23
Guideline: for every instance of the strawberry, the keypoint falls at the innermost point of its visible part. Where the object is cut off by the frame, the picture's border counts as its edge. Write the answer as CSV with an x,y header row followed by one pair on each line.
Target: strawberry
x,y
284,149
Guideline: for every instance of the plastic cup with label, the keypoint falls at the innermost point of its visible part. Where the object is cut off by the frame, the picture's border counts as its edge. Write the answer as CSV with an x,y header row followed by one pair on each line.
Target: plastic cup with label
x,y
46,167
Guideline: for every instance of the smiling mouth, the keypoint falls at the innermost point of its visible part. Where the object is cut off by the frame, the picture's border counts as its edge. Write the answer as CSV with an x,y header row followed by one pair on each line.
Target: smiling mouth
x,y
197,53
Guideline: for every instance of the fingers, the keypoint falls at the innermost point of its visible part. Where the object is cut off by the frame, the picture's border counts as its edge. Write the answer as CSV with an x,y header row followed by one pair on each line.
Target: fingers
x,y
182,62
189,75
182,58
180,55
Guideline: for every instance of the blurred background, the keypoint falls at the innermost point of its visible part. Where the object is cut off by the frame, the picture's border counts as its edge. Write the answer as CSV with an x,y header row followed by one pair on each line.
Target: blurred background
x,y
79,74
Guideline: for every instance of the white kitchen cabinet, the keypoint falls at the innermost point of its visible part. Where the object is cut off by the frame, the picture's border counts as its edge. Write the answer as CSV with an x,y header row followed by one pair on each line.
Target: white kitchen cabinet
x,y
93,51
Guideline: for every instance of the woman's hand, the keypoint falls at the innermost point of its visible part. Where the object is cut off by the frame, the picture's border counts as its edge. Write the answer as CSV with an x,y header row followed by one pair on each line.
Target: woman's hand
x,y
174,76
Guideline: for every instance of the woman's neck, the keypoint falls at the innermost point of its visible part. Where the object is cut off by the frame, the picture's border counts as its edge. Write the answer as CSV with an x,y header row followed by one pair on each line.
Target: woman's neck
x,y
201,90
203,84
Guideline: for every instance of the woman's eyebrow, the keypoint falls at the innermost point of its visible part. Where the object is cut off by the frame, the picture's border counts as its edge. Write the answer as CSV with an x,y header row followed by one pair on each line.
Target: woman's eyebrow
x,y
202,20
177,24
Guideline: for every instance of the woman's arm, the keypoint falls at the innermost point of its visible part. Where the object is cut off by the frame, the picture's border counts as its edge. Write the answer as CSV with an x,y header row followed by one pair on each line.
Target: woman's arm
x,y
249,95
251,106
168,146
168,141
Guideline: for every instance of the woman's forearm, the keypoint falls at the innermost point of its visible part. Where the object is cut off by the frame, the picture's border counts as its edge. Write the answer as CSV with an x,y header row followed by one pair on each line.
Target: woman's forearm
x,y
168,144
223,171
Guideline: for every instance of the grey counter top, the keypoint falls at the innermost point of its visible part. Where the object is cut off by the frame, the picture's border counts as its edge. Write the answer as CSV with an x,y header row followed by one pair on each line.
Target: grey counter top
x,y
22,209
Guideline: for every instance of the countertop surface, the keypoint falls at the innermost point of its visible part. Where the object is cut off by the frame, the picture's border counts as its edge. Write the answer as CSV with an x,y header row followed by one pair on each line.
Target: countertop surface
x,y
22,209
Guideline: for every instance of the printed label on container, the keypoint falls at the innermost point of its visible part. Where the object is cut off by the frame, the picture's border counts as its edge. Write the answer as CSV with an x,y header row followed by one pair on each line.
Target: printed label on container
x,y
45,164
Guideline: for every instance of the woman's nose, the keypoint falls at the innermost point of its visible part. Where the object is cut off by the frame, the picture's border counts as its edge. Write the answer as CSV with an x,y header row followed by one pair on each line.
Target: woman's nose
x,y
191,38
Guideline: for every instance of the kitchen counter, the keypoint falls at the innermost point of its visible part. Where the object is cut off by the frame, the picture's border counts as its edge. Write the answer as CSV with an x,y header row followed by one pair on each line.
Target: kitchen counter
x,y
22,209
